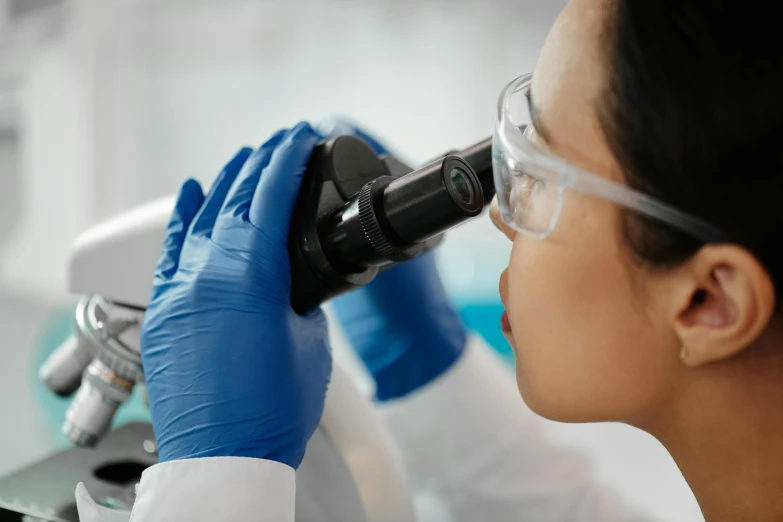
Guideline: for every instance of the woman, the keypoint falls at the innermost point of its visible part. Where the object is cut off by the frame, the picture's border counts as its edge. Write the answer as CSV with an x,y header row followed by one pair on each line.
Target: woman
x,y
642,288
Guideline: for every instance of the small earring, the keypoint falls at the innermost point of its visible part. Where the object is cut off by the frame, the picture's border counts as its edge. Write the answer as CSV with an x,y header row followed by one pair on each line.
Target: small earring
x,y
683,352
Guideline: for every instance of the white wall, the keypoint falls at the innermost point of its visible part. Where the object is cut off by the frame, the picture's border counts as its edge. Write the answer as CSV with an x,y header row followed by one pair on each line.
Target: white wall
x,y
9,184
138,96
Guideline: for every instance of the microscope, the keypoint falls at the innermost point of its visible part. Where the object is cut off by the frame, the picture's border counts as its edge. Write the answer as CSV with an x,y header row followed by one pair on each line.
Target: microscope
x,y
357,214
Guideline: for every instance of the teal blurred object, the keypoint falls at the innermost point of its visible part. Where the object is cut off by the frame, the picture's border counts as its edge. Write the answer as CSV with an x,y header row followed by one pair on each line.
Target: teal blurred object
x,y
484,318
52,407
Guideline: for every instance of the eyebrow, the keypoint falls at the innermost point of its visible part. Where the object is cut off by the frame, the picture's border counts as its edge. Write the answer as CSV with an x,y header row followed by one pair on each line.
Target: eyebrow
x,y
535,116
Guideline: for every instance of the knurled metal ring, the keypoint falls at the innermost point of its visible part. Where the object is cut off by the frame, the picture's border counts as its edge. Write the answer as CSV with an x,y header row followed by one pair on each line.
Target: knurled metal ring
x,y
372,228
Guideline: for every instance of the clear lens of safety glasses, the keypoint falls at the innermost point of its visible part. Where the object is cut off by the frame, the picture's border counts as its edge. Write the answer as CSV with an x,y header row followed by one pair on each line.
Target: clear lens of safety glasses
x,y
530,180
529,192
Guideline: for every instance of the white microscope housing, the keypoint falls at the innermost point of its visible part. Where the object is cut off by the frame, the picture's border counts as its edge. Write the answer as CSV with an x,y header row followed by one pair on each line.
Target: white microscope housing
x,y
351,470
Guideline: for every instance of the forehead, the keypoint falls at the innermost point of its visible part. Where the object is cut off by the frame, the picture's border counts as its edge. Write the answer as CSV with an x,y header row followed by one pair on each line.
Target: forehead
x,y
568,83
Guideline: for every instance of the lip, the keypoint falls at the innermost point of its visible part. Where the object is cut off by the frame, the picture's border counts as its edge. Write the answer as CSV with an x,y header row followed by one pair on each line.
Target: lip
x,y
505,325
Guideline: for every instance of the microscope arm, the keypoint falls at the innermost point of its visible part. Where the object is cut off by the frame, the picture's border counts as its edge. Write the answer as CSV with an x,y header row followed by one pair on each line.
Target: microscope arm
x,y
116,259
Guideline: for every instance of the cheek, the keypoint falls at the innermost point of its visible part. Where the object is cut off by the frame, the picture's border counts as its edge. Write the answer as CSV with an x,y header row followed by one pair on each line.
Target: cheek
x,y
584,350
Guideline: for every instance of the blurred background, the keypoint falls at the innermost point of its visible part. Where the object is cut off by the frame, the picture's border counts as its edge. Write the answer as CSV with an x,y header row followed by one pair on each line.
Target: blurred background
x,y
106,104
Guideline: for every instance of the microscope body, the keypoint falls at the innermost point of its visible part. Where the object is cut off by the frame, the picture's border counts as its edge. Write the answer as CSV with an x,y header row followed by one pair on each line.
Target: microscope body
x,y
351,470
357,213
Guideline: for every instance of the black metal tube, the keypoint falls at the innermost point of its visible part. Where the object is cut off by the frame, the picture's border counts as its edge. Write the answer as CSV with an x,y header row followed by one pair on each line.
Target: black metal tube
x,y
432,199
341,239
391,218
479,157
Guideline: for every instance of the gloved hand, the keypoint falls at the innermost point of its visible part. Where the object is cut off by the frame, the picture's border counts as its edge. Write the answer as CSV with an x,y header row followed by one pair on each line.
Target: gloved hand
x,y
402,324
231,369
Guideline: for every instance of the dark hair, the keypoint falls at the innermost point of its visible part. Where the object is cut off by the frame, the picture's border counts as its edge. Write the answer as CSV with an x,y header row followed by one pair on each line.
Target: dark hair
x,y
693,110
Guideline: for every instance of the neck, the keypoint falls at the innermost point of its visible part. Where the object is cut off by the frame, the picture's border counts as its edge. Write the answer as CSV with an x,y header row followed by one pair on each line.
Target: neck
x,y
725,431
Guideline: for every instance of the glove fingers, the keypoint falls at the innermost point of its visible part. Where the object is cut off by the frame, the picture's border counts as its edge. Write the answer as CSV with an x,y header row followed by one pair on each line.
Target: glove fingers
x,y
241,193
185,209
205,221
276,193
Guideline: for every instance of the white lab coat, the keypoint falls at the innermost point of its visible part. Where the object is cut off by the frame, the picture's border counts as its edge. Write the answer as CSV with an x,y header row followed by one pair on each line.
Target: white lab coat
x,y
482,455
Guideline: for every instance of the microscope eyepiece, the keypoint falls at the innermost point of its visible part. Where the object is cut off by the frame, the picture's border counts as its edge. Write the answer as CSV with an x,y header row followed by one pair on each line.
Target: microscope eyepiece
x,y
462,186
358,213
433,199
390,219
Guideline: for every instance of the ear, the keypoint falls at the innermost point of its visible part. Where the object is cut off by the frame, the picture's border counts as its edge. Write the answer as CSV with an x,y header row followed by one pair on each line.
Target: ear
x,y
725,306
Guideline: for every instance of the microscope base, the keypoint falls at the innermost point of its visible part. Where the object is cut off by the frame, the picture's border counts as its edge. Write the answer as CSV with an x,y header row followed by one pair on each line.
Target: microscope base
x,y
44,491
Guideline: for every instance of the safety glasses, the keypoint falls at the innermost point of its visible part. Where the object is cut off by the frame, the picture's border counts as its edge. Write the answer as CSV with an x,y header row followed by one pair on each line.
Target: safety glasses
x,y
530,180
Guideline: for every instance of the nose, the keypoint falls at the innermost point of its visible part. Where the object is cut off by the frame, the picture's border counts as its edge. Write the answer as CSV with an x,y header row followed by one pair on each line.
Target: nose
x,y
494,216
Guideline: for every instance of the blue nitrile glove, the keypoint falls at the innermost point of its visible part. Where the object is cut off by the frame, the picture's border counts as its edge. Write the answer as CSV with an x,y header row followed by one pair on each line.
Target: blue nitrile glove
x,y
231,369
402,324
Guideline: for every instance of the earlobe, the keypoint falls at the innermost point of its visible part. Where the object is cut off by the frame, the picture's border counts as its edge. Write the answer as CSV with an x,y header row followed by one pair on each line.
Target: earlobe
x,y
729,305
